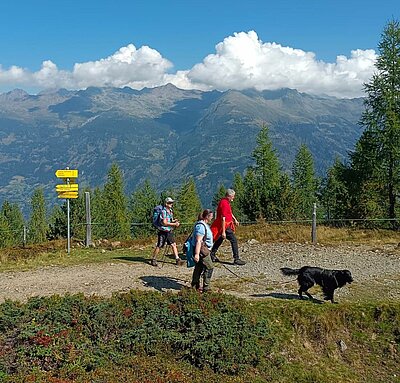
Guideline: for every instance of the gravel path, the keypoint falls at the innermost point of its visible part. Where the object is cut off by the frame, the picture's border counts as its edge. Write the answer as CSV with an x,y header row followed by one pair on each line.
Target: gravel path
x,y
376,272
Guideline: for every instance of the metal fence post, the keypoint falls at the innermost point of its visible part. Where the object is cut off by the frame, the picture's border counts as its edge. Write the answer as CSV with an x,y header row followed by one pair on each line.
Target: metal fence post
x,y
24,237
314,225
88,241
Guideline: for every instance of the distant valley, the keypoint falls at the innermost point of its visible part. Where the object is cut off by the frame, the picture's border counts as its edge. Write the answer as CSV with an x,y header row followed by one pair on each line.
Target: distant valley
x,y
163,134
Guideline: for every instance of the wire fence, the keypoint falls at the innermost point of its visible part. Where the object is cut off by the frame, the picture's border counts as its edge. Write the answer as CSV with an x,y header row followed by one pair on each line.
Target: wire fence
x,y
21,236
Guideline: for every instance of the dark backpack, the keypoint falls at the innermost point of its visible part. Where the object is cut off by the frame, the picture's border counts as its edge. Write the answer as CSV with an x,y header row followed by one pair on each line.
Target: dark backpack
x,y
156,219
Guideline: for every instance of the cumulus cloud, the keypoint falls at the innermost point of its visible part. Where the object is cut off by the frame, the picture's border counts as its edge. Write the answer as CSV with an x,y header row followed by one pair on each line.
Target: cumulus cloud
x,y
240,61
244,61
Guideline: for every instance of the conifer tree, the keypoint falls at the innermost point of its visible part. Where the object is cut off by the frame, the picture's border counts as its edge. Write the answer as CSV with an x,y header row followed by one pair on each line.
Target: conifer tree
x,y
5,232
219,194
334,193
304,183
78,216
251,204
267,173
15,220
240,196
57,223
286,201
58,219
99,217
188,204
37,227
378,150
117,222
141,206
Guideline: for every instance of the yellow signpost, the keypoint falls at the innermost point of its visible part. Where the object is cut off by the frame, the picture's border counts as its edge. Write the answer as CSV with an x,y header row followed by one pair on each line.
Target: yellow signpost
x,y
67,173
68,195
67,190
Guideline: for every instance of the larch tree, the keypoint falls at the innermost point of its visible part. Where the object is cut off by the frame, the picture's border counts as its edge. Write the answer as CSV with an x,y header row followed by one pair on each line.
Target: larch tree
x,y
115,204
188,204
37,226
267,173
141,205
377,155
304,183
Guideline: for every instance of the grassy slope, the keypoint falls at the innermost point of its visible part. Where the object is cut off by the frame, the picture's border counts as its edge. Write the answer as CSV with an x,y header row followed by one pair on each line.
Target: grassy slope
x,y
305,342
296,342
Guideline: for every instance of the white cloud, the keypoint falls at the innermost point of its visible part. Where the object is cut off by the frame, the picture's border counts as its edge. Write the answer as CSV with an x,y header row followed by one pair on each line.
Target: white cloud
x,y
241,61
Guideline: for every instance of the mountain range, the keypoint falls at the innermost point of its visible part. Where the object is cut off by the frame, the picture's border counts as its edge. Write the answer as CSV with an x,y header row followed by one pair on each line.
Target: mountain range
x,y
163,134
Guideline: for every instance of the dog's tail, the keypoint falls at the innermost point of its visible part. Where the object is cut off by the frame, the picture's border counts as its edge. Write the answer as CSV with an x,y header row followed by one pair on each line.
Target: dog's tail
x,y
288,271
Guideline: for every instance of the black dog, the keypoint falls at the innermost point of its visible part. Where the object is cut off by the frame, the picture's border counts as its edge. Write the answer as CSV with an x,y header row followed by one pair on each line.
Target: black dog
x,y
329,280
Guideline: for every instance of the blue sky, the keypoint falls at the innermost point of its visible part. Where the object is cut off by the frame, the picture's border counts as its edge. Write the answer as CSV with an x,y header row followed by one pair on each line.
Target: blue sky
x,y
182,37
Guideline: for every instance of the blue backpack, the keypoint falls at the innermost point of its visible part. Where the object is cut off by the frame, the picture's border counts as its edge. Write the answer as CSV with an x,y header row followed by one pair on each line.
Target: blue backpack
x,y
188,247
156,219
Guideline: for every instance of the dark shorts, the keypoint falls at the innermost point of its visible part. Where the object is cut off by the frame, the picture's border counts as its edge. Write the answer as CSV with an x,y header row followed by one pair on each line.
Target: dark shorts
x,y
165,236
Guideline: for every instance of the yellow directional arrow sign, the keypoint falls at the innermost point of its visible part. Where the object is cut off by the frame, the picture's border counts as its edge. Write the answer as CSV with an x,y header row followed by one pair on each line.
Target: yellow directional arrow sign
x,y
67,173
66,188
68,194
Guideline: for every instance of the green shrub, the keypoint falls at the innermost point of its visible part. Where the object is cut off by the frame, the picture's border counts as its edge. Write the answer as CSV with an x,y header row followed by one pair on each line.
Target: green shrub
x,y
153,337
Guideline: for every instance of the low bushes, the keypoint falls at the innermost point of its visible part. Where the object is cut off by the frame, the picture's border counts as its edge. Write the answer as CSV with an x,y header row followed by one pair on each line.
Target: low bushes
x,y
152,337
58,334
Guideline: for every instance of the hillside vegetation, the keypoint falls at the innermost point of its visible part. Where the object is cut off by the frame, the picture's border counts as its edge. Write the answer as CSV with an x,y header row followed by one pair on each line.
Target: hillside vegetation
x,y
150,337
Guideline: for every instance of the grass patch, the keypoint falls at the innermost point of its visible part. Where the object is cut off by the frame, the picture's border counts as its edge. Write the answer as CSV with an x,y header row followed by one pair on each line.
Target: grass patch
x,y
22,259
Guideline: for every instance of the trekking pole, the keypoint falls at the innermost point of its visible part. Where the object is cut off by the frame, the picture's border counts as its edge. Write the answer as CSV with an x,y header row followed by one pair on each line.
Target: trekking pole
x,y
255,283
164,255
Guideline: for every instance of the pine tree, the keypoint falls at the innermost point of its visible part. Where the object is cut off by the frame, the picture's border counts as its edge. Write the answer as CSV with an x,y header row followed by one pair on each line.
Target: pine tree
x,y
116,217
141,205
304,183
37,227
188,204
378,150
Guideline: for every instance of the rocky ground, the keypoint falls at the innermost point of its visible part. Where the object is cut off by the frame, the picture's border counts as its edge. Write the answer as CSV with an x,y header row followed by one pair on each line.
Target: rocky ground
x,y
376,273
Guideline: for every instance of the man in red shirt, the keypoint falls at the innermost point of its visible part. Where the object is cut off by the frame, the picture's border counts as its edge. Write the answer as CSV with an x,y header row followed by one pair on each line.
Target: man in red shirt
x,y
224,228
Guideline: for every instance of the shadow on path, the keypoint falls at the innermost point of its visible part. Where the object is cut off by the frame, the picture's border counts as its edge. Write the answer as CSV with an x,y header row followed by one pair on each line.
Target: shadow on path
x,y
161,283
286,296
133,259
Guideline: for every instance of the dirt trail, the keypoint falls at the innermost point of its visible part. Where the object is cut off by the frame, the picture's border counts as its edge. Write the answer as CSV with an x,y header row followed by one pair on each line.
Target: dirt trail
x,y
376,273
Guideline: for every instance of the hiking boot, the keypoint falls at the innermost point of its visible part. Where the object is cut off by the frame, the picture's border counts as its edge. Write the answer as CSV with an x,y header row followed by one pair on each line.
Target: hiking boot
x,y
179,262
153,262
239,262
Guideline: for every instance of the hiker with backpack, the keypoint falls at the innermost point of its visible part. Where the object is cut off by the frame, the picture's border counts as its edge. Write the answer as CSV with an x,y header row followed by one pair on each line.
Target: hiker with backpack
x,y
163,220
202,240
224,228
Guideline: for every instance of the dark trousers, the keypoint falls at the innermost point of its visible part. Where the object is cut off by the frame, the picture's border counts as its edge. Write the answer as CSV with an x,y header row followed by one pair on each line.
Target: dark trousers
x,y
205,267
230,236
